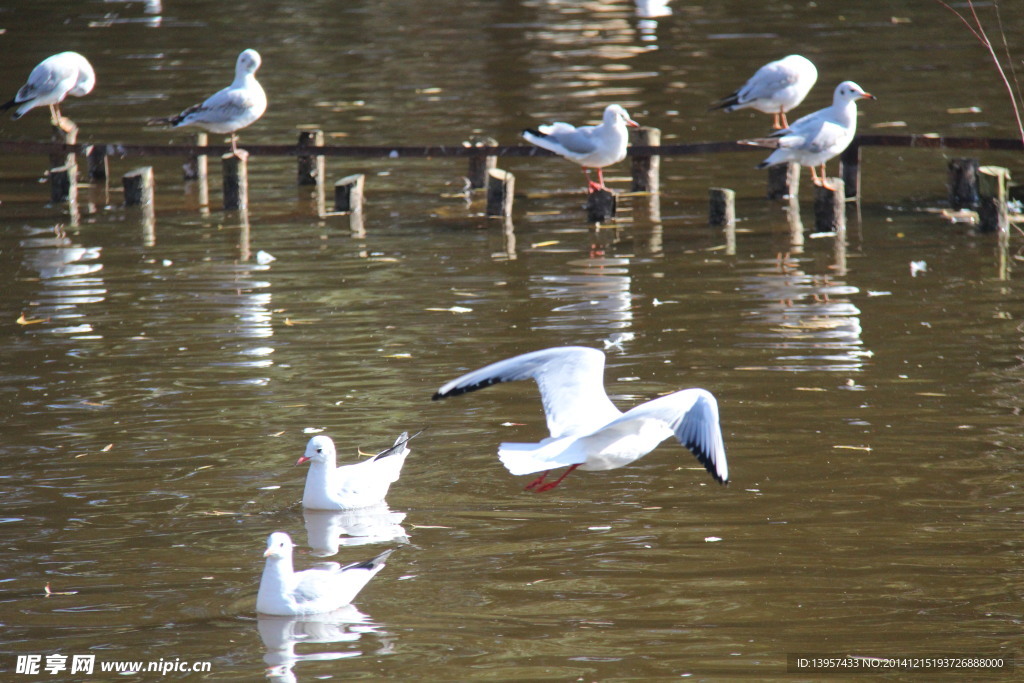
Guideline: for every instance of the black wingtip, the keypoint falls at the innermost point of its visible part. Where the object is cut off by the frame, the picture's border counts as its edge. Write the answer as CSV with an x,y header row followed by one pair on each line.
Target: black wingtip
x,y
7,105
372,563
399,444
532,131
458,391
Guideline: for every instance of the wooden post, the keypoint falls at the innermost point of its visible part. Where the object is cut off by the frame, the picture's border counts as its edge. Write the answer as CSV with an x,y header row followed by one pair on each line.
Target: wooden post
x,y
601,205
963,183
500,188
480,166
722,214
64,136
993,213
849,169
830,207
348,193
721,207
236,181
784,180
646,168
99,164
64,183
64,166
311,167
195,167
138,187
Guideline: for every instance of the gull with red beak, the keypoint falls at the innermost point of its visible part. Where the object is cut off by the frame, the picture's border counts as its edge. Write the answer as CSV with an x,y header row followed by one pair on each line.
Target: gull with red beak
x,y
589,146
817,137
329,487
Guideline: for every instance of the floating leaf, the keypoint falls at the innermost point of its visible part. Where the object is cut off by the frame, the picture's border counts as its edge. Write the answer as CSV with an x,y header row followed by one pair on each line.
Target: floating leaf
x,y
22,320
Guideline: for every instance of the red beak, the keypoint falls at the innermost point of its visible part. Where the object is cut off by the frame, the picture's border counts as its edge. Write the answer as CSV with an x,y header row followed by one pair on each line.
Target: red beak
x,y
302,460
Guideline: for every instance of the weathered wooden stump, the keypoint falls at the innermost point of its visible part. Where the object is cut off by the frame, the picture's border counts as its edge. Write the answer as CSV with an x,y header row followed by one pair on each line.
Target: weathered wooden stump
x,y
63,165
236,181
784,180
481,165
830,206
195,166
993,212
963,183
721,207
500,188
646,169
348,193
98,164
601,206
138,187
64,183
310,169
849,170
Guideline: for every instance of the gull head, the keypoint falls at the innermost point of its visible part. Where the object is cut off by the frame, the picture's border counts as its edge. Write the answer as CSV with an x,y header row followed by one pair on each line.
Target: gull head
x,y
848,91
86,76
279,546
320,450
248,61
614,114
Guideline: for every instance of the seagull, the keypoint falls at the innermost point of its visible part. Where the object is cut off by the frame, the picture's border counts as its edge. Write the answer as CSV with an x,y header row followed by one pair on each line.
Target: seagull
x,y
587,430
589,146
53,79
774,89
285,592
329,487
231,109
817,137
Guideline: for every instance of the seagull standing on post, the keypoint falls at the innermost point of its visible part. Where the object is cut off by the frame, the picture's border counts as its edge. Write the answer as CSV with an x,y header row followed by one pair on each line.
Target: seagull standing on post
x,y
589,146
775,88
229,110
53,79
817,137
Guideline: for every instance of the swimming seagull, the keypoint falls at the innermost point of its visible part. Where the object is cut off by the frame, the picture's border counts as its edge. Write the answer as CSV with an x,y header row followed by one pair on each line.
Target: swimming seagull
x,y
775,88
231,109
329,487
53,79
323,588
589,146
587,430
817,137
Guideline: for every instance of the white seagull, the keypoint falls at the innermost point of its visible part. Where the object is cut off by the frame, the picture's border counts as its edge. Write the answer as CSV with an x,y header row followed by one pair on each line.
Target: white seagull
x,y
587,430
324,588
589,146
231,109
817,137
329,487
775,88
53,79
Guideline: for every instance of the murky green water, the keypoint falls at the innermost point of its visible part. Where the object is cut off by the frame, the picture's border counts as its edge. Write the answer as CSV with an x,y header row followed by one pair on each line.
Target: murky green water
x,y
159,383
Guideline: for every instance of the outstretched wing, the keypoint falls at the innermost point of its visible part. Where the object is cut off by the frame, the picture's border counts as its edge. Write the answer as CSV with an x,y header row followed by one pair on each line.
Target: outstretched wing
x,y
692,416
571,382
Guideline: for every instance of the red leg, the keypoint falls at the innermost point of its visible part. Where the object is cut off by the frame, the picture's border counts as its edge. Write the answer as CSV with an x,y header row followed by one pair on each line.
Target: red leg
x,y
536,482
591,185
553,484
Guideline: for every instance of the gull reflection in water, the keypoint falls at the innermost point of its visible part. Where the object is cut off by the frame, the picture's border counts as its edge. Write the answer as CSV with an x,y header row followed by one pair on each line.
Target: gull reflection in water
x,y
328,530
280,635
70,277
